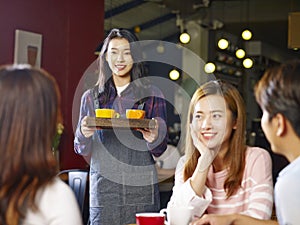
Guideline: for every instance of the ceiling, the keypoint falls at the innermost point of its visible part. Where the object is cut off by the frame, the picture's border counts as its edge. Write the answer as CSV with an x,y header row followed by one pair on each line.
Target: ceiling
x,y
160,19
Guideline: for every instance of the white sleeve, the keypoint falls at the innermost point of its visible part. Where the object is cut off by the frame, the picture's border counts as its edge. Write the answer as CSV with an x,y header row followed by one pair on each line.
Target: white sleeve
x,y
59,205
287,202
183,193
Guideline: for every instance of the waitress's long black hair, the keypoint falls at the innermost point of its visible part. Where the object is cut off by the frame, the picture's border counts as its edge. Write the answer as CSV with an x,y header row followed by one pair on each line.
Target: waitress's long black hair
x,y
138,70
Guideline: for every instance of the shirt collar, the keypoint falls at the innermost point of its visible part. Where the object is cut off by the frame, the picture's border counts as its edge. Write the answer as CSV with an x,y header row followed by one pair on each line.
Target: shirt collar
x,y
290,167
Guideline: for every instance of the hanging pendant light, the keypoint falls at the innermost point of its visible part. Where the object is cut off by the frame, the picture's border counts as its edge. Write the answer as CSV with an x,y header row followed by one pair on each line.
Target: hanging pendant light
x,y
240,53
174,74
247,63
184,37
223,43
160,48
246,34
209,67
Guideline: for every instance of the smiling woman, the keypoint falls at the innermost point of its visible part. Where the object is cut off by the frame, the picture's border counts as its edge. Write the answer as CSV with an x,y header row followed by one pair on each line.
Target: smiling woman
x,y
122,173
218,173
212,112
119,60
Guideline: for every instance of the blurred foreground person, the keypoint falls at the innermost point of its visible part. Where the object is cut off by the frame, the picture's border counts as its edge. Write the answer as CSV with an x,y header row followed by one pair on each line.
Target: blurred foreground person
x,y
278,95
30,192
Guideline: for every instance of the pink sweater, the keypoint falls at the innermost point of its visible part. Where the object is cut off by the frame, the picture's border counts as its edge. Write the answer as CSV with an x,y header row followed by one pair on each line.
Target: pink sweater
x,y
253,198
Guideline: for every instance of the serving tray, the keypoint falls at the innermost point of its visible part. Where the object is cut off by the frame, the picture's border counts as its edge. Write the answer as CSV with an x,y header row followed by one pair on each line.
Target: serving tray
x,y
108,123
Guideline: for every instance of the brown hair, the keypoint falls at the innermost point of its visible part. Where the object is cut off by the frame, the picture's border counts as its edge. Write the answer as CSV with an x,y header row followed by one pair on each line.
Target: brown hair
x,y
278,92
235,156
29,112
138,69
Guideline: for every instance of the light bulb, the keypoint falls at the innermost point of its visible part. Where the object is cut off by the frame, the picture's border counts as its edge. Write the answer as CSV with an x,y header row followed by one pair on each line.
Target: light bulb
x,y
223,43
137,29
209,67
160,48
240,53
184,37
174,74
247,35
247,63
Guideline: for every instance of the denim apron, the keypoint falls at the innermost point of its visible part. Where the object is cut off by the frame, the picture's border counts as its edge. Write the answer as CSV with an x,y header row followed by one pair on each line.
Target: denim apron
x,y
123,178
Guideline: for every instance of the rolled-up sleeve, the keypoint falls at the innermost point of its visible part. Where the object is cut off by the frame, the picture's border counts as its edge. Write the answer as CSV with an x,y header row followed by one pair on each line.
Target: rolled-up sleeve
x,y
157,107
81,143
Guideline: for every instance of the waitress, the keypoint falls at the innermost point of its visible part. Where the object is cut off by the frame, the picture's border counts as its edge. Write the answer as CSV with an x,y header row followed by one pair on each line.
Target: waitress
x,y
123,179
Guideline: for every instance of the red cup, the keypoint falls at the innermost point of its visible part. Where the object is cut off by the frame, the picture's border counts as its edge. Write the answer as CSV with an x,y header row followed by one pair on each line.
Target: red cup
x,y
150,218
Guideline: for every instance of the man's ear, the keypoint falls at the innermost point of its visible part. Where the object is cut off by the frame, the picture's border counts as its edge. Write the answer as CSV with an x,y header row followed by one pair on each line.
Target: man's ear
x,y
234,127
234,124
280,124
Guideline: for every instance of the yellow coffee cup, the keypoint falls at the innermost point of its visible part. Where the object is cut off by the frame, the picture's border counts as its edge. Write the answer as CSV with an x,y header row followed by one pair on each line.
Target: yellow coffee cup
x,y
105,113
135,114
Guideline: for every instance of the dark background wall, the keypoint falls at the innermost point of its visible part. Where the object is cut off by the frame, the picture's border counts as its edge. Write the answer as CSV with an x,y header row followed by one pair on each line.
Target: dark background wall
x,y
71,31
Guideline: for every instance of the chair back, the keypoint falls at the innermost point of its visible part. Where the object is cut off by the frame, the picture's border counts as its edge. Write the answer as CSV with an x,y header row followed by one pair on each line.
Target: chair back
x,y
77,179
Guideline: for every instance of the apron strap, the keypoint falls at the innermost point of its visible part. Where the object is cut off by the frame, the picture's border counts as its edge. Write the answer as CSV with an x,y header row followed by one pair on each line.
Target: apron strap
x,y
95,92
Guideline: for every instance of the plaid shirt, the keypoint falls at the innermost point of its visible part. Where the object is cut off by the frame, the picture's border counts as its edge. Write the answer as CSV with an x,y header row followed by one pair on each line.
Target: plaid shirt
x,y
155,107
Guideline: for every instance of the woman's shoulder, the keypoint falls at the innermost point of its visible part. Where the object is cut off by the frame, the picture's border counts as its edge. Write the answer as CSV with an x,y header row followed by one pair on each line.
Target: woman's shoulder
x,y
57,187
91,91
87,95
256,150
54,192
258,166
256,153
57,192
155,91
56,201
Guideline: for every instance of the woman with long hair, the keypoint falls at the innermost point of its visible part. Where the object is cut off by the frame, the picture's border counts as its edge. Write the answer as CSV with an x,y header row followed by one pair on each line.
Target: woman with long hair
x,y
219,174
30,192
278,95
123,178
